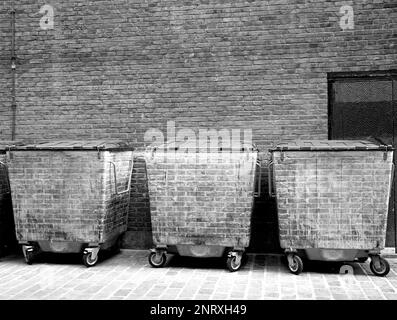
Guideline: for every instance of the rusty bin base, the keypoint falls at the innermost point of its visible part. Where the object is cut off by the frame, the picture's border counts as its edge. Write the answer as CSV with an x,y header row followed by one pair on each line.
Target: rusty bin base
x,y
200,251
89,250
335,254
158,257
378,265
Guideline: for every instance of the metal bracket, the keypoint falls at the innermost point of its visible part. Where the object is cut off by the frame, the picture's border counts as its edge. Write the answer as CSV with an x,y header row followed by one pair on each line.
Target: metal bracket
x,y
237,254
27,248
159,250
290,260
376,261
9,153
282,156
93,251
385,156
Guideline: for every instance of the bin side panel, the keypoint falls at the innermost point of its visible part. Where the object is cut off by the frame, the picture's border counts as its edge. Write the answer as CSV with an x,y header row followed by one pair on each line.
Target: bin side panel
x,y
201,198
116,205
57,195
332,199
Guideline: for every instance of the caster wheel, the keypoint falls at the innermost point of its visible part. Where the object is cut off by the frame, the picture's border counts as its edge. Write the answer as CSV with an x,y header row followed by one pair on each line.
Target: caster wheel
x,y
382,269
29,257
157,262
296,264
232,264
362,259
88,261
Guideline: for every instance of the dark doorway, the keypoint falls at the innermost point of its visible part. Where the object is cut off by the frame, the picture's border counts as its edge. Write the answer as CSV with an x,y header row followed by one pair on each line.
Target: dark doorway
x,y
363,106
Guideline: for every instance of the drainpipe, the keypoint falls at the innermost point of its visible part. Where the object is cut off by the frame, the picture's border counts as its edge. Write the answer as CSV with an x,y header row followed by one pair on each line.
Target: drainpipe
x,y
13,73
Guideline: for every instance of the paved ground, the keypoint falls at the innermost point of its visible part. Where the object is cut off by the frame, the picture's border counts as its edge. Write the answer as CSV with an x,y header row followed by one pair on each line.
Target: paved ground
x,y
128,275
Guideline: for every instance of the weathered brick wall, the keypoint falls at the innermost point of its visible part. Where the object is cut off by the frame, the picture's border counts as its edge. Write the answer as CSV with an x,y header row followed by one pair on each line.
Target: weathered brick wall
x,y
332,199
114,68
201,198
65,195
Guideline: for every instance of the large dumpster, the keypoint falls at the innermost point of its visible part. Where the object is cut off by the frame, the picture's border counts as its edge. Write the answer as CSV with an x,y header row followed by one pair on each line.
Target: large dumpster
x,y
332,200
201,201
70,196
7,227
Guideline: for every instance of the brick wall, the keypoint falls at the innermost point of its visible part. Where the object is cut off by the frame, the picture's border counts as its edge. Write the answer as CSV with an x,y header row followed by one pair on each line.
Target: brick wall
x,y
332,199
114,68
69,195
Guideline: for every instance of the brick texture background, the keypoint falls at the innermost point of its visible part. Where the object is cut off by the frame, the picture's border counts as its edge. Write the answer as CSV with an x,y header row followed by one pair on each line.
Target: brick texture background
x,y
114,68
69,195
332,199
201,198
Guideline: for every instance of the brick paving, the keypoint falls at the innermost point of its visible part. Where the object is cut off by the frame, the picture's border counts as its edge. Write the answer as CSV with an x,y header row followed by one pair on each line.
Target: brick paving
x,y
128,275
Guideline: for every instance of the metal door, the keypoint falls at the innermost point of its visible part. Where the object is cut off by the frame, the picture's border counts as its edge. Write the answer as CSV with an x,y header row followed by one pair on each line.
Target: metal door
x,y
363,107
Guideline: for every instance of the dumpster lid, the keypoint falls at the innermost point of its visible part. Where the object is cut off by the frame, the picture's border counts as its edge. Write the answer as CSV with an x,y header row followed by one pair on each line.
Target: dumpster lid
x,y
105,144
202,147
6,144
330,145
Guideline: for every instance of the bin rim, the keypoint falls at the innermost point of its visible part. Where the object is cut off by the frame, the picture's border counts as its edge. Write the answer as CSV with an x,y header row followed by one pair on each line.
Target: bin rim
x,y
71,145
175,146
330,145
6,144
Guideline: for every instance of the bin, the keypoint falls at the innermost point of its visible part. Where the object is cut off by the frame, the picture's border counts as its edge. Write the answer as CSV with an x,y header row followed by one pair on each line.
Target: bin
x,y
201,201
332,200
70,196
7,228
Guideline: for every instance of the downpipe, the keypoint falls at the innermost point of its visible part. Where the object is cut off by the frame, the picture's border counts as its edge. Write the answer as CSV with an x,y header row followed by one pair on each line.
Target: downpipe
x,y
13,61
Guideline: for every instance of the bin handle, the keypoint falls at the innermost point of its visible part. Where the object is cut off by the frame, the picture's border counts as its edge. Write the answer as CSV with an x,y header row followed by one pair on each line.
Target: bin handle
x,y
8,180
270,178
391,178
115,179
257,193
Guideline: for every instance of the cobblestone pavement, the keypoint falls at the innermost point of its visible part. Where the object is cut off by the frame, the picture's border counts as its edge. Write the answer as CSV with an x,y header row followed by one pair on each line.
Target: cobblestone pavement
x,y
128,275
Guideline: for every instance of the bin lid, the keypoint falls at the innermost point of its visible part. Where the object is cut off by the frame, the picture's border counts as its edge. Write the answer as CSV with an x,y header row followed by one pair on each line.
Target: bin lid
x,y
330,145
6,144
203,147
75,145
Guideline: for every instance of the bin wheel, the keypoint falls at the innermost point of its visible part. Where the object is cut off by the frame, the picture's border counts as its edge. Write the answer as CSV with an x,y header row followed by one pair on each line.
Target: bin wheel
x,y
88,261
29,257
232,264
382,270
157,262
362,259
296,266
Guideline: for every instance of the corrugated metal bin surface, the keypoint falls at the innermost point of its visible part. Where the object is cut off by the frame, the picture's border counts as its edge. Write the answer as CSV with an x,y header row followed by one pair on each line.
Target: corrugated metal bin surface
x,y
332,194
203,197
67,190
